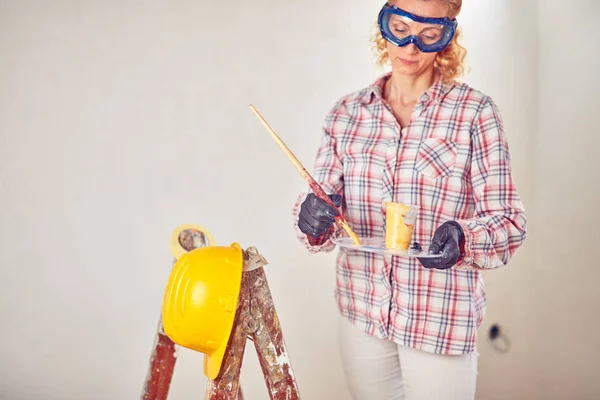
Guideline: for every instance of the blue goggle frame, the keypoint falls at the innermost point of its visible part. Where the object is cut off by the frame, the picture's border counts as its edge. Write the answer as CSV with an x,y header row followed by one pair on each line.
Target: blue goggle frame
x,y
425,48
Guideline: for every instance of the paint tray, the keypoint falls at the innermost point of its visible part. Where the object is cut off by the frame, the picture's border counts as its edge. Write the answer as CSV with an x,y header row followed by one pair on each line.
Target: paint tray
x,y
377,245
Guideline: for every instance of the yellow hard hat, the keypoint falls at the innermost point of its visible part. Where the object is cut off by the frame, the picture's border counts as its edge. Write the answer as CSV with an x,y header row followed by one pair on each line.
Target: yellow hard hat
x,y
201,299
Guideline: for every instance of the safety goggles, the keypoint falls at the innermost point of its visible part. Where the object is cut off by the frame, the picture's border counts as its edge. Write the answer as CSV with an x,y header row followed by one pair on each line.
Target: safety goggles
x,y
401,28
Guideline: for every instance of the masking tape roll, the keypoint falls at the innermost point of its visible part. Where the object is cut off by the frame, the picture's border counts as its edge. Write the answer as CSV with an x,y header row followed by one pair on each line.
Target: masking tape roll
x,y
177,249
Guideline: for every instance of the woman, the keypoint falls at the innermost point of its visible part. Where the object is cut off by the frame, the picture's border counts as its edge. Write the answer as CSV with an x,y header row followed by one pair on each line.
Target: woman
x,y
415,136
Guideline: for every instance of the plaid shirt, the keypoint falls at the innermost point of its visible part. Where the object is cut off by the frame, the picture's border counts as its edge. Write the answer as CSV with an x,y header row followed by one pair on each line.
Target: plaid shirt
x,y
453,162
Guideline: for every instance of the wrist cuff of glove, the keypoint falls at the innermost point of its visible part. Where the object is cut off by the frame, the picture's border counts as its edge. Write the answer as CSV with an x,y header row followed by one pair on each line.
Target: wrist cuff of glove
x,y
318,241
461,239
461,234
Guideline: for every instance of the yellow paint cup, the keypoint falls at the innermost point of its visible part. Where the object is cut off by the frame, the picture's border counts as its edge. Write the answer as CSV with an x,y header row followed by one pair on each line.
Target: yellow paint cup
x,y
399,225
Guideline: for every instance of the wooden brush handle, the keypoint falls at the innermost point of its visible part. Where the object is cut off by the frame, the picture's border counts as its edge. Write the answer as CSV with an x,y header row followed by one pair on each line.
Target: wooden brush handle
x,y
316,188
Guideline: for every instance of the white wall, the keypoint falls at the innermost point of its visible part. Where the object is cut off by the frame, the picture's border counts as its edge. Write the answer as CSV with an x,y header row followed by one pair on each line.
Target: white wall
x,y
120,121
114,117
547,301
567,344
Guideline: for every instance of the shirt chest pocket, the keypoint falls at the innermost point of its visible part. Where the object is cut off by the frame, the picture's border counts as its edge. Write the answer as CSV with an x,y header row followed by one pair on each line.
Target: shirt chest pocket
x,y
436,158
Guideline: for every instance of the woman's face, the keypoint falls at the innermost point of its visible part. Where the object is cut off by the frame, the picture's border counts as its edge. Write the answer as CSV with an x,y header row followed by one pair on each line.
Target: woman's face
x,y
409,60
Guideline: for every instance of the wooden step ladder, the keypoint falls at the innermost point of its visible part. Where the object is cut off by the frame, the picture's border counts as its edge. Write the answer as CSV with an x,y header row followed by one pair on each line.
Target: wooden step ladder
x,y
255,319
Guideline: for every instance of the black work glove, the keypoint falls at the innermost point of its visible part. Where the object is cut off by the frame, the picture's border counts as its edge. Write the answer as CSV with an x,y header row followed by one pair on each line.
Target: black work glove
x,y
446,241
316,216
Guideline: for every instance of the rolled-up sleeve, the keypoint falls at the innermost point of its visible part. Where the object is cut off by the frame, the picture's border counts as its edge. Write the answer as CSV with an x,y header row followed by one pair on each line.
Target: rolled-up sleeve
x,y
329,173
498,227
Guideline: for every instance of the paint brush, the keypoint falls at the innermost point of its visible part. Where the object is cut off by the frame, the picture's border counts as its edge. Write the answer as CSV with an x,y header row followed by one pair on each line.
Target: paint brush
x,y
316,188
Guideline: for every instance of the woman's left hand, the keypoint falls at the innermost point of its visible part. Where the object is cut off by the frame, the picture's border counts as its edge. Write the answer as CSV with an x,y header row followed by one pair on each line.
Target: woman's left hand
x,y
446,241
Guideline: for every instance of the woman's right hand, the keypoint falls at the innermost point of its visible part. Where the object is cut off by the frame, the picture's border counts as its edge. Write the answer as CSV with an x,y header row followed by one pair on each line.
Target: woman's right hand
x,y
316,216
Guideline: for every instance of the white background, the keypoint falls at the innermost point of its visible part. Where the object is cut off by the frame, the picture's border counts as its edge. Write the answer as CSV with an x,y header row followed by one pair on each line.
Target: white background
x,y
121,120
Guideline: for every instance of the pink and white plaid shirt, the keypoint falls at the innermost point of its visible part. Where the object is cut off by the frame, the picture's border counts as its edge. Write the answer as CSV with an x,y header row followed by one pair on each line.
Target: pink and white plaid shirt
x,y
453,162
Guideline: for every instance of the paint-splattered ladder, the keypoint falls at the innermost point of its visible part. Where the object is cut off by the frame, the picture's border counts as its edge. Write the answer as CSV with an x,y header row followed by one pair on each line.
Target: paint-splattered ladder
x,y
256,319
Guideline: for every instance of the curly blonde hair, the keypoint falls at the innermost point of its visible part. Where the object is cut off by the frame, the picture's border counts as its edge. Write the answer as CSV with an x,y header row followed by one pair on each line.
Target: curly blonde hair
x,y
449,62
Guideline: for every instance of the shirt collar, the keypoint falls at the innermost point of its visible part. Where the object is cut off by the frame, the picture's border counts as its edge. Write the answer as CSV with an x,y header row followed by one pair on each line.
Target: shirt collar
x,y
436,92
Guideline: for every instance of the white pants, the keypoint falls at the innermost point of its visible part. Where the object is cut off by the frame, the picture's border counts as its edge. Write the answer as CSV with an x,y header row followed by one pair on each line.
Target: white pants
x,y
383,370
